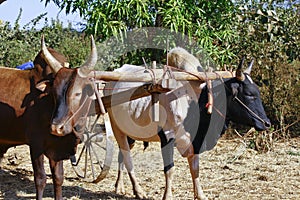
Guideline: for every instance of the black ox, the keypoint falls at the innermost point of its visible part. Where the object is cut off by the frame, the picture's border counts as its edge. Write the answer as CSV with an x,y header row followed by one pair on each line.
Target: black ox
x,y
241,103
33,105
235,100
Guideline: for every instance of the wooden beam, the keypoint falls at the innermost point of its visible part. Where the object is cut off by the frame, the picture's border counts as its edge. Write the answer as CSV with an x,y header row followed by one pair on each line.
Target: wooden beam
x,y
158,74
148,88
122,97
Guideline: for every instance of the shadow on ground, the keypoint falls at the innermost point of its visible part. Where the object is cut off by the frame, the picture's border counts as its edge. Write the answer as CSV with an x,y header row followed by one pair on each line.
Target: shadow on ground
x,y
15,184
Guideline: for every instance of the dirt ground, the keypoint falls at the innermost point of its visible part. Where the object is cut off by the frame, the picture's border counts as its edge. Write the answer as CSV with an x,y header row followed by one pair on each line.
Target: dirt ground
x,y
229,171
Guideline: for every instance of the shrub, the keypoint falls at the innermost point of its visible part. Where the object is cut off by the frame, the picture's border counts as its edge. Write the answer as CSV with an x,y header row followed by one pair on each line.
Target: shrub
x,y
20,45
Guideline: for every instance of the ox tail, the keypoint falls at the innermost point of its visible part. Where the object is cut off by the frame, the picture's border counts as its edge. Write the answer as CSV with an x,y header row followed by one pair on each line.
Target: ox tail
x,y
146,145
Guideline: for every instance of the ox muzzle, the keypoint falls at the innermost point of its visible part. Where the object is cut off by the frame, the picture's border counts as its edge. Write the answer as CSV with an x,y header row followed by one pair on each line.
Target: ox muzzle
x,y
74,122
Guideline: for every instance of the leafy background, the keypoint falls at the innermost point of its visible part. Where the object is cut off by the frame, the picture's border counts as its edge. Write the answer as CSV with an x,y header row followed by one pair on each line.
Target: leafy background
x,y
265,30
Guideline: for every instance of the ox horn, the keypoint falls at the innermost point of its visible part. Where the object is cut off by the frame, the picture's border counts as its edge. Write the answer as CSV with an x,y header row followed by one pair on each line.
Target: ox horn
x,y
239,72
248,70
50,60
88,66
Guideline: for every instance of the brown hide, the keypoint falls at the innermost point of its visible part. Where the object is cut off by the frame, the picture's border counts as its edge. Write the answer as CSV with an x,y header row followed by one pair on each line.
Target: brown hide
x,y
19,99
25,117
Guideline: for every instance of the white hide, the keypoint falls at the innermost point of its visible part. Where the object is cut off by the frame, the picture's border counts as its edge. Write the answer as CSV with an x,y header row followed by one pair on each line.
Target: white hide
x,y
178,116
180,58
134,118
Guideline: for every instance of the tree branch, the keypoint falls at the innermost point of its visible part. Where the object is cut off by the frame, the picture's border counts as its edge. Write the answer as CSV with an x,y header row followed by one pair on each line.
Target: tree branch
x,y
1,1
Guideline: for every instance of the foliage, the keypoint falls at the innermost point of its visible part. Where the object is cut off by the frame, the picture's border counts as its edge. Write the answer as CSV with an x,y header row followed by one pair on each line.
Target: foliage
x,y
19,45
207,22
264,30
270,34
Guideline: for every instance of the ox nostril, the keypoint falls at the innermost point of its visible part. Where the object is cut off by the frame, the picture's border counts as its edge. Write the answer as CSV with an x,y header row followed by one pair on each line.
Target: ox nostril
x,y
267,124
53,128
57,129
60,130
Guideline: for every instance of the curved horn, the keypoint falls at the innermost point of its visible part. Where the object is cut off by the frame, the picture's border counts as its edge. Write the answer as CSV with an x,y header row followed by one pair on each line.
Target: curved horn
x,y
248,70
50,60
88,66
239,72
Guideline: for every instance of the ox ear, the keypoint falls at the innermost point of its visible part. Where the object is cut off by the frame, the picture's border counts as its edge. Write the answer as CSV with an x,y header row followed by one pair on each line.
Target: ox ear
x,y
88,66
41,86
248,70
234,89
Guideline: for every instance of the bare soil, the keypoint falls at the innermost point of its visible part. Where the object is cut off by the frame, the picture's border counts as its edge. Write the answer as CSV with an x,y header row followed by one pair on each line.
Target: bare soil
x,y
229,171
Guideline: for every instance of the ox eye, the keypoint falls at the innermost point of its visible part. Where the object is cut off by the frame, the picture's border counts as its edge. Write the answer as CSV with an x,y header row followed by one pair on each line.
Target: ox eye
x,y
88,89
251,97
77,94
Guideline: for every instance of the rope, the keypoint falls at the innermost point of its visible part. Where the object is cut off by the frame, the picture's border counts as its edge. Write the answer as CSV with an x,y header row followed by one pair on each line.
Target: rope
x,y
249,110
167,69
102,108
182,70
244,105
78,110
152,74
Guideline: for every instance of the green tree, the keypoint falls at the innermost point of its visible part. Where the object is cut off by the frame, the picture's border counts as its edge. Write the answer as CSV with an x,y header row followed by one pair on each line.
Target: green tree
x,y
269,32
262,29
207,22
21,44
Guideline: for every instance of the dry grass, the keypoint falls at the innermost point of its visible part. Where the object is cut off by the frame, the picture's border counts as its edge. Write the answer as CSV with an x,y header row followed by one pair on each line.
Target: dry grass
x,y
229,171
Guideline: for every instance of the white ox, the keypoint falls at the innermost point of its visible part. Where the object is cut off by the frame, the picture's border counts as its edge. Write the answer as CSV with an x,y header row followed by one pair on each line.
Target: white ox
x,y
134,119
184,119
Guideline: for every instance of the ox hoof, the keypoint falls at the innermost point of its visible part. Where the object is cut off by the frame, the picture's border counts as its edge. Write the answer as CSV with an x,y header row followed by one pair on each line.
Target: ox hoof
x,y
167,195
167,198
201,197
140,194
120,190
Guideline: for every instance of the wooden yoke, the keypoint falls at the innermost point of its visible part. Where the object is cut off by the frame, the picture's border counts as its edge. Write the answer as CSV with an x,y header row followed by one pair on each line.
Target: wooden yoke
x,y
210,101
159,73
102,109
155,99
155,83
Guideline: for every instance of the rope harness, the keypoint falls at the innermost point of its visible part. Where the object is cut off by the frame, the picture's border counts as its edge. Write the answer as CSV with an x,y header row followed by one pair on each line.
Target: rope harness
x,y
81,112
210,91
249,110
243,104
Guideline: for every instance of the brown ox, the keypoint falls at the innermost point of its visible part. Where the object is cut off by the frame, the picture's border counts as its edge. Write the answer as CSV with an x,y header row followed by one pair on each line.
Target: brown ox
x,y
32,105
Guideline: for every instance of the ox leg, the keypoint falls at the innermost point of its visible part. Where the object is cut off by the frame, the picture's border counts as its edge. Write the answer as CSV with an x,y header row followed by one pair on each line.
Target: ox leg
x,y
119,186
57,172
194,169
39,174
125,150
137,190
167,150
1,158
3,150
